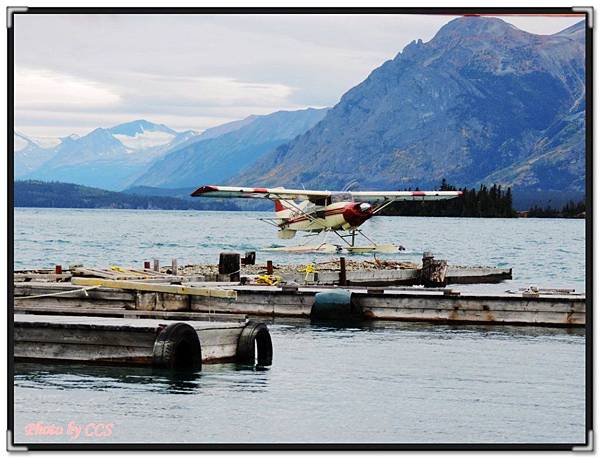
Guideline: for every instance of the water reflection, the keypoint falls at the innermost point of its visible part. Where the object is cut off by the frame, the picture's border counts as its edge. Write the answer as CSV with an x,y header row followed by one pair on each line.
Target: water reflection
x,y
439,329
408,381
105,378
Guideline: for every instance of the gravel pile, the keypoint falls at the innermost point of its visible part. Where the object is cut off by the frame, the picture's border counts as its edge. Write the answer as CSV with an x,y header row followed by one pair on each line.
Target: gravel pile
x,y
333,265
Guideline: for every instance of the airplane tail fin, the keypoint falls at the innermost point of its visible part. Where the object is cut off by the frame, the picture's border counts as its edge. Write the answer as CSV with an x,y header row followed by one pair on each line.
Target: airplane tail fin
x,y
281,205
278,205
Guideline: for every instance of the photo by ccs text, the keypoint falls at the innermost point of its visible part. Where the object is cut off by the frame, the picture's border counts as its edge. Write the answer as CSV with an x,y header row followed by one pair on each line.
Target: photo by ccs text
x,y
72,430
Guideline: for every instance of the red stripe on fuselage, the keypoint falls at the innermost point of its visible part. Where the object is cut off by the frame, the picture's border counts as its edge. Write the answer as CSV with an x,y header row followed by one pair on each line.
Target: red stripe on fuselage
x,y
299,219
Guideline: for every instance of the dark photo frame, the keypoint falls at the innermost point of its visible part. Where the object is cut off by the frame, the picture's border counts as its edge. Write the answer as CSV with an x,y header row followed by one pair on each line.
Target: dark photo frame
x,y
329,316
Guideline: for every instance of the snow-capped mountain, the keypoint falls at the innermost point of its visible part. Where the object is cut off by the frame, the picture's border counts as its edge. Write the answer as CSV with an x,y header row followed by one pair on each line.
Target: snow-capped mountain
x,y
106,158
219,153
141,134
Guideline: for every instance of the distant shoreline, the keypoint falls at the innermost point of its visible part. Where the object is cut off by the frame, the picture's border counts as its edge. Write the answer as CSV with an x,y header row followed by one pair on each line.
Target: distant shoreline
x,y
40,195
268,211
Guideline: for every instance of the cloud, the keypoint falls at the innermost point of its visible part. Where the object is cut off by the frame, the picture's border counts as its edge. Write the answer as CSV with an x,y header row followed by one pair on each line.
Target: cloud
x,y
204,92
197,71
48,89
46,101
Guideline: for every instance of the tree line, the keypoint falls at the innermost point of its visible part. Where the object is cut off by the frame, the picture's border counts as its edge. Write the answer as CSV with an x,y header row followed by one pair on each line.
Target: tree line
x,y
570,210
485,202
41,194
492,202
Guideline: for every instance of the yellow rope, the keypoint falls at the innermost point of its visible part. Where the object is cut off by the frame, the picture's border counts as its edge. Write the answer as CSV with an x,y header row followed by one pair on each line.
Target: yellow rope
x,y
269,280
309,269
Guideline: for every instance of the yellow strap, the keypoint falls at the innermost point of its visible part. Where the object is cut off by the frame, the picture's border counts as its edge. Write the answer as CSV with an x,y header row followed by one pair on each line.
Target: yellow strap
x,y
309,269
269,280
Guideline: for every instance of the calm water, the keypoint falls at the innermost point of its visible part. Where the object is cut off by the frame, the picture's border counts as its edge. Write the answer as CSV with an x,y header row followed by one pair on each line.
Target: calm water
x,y
547,253
386,382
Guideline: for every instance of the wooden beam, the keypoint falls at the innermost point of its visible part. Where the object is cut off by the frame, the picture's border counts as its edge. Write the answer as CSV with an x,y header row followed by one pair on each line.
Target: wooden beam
x,y
38,276
88,271
140,286
94,311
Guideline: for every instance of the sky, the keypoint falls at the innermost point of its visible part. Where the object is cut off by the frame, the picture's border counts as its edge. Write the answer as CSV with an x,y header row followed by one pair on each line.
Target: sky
x,y
74,73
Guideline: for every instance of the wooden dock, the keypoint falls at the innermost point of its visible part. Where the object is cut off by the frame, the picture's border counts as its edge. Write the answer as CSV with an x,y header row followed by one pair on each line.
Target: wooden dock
x,y
551,308
334,272
411,304
170,344
392,277
175,319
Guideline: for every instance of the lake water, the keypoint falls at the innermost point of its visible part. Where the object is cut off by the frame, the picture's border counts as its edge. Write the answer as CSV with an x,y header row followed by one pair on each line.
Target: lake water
x,y
544,252
383,382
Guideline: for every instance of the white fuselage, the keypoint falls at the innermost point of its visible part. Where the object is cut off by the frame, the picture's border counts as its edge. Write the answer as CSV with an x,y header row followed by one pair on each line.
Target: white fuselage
x,y
308,217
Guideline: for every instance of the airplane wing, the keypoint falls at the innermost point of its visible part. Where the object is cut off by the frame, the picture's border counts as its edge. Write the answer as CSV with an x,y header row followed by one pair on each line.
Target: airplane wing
x,y
387,196
259,193
305,194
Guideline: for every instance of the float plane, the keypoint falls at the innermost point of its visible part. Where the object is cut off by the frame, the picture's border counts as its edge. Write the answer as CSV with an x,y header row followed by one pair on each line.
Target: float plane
x,y
338,212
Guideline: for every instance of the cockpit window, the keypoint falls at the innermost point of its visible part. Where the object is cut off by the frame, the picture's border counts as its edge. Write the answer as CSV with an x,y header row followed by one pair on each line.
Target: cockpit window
x,y
341,197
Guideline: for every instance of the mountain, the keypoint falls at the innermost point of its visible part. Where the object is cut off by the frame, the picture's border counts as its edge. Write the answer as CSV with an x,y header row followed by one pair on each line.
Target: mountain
x,y
219,154
141,134
30,153
180,193
556,162
221,129
481,102
106,158
67,195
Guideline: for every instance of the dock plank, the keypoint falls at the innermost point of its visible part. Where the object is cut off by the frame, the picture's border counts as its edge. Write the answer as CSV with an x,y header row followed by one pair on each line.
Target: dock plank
x,y
113,340
118,312
161,288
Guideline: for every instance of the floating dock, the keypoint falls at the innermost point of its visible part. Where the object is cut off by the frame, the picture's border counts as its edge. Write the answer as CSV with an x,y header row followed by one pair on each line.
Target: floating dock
x,y
131,323
101,297
139,341
416,304
338,289
340,271
390,277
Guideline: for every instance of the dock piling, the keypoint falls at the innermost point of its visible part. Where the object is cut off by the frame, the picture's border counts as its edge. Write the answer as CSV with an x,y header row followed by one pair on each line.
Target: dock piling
x,y
433,272
342,271
249,258
230,265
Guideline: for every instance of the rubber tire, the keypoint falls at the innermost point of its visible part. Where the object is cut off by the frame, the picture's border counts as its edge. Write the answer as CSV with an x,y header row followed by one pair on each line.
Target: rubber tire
x,y
168,347
259,333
